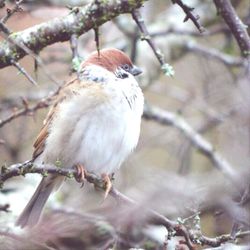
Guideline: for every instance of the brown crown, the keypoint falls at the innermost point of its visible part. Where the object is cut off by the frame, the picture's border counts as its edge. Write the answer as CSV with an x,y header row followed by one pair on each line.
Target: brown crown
x,y
109,59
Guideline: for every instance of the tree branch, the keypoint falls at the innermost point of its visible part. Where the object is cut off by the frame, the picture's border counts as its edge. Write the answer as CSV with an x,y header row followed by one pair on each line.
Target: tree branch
x,y
189,15
206,148
78,21
177,229
228,60
238,29
43,103
166,68
24,111
24,72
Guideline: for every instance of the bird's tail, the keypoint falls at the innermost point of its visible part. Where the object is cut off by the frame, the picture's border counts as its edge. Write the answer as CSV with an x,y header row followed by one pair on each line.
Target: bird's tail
x,y
32,212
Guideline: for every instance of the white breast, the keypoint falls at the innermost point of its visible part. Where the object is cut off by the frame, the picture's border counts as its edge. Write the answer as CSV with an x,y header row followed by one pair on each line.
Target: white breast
x,y
97,133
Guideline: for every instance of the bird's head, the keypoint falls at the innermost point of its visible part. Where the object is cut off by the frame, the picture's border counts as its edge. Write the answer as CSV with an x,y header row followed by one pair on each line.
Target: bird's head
x,y
113,60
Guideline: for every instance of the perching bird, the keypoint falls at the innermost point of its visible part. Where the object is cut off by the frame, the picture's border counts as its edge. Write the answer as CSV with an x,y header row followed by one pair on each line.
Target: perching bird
x,y
94,123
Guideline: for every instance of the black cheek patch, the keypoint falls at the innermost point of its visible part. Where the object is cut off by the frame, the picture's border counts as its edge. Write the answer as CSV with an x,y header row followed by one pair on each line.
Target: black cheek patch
x,y
122,75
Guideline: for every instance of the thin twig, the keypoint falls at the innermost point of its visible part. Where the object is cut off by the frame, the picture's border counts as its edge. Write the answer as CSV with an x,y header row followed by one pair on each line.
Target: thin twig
x,y
155,217
97,40
231,61
25,111
24,72
10,12
189,15
219,240
146,36
166,68
37,58
4,29
44,103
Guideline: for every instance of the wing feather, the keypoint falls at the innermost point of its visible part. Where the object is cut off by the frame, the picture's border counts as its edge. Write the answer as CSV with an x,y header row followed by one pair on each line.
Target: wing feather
x,y
40,141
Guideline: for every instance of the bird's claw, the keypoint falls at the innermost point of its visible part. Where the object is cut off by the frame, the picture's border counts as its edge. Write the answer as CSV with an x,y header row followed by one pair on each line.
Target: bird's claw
x,y
107,184
81,174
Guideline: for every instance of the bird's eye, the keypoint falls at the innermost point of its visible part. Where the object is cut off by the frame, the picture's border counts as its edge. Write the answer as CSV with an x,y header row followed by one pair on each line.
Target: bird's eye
x,y
126,67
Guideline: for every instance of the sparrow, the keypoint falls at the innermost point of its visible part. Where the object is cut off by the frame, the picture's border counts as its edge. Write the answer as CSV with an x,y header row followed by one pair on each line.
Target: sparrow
x,y
94,124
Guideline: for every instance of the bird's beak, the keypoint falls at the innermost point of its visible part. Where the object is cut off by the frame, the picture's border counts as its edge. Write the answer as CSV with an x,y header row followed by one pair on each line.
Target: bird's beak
x,y
135,70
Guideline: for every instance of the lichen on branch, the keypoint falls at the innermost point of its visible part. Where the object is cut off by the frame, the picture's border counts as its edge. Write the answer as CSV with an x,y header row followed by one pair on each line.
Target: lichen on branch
x,y
78,21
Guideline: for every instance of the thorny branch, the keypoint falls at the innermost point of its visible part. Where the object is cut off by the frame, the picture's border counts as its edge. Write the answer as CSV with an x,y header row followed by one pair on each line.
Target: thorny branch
x,y
78,21
189,15
24,72
28,51
139,21
155,218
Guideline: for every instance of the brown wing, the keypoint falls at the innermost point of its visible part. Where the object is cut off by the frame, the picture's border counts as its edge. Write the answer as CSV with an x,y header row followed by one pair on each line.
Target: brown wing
x,y
42,136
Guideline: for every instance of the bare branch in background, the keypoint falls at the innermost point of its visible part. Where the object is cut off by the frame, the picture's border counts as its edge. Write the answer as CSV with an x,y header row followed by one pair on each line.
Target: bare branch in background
x,y
228,60
44,103
24,111
244,199
206,148
212,122
238,29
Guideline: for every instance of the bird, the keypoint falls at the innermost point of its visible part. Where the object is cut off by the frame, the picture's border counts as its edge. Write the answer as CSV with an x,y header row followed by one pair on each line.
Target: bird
x,y
93,125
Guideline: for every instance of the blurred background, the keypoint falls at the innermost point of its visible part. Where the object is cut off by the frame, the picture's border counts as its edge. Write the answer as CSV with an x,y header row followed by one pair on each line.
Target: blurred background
x,y
167,172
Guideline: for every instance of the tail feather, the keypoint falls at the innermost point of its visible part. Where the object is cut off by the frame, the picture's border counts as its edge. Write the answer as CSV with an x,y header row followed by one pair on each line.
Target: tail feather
x,y
32,212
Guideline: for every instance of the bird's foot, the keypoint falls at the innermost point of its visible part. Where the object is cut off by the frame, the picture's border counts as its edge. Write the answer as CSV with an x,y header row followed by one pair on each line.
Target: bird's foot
x,y
80,174
107,184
